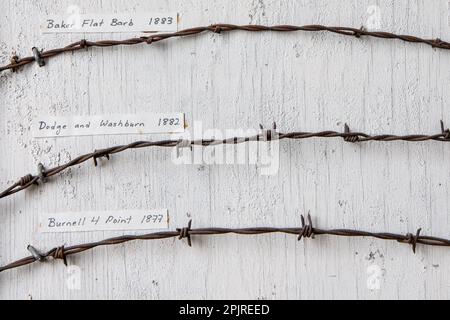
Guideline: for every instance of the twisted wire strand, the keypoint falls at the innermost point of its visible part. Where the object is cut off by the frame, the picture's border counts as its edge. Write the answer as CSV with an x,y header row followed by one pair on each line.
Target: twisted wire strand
x,y
40,56
265,135
306,231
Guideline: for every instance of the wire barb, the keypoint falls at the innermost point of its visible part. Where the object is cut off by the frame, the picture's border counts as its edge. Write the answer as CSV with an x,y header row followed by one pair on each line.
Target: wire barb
x,y
42,174
38,56
25,180
412,239
182,143
437,43
185,233
83,44
14,60
349,137
99,154
147,40
59,253
216,28
37,255
307,230
268,134
445,132
359,33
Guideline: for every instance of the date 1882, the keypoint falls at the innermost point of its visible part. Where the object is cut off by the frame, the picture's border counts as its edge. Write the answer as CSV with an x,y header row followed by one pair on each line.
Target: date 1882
x,y
168,122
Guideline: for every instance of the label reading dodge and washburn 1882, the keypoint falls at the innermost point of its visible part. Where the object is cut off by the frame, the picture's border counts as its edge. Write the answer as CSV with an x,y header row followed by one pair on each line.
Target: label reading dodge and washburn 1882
x,y
50,126
92,23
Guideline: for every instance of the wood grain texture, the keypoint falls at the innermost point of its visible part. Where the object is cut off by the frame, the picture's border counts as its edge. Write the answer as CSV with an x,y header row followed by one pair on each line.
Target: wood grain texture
x,y
303,81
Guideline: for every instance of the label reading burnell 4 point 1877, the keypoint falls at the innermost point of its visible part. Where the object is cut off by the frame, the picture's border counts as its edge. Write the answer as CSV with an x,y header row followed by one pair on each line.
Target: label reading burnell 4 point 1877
x,y
123,220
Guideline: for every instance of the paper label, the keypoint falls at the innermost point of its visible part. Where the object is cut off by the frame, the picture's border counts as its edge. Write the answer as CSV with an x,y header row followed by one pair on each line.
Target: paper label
x,y
103,221
121,22
50,126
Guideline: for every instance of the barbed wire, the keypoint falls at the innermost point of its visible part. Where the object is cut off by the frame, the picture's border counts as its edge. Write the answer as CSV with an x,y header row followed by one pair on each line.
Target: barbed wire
x,y
266,135
39,56
307,230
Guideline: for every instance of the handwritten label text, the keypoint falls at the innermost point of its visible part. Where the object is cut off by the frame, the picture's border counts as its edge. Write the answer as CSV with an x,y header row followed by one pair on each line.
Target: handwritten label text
x,y
142,22
104,221
49,126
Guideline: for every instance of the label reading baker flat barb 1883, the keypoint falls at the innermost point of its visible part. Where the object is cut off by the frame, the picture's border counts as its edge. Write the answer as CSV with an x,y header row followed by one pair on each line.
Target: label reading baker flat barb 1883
x,y
125,220
123,22
50,126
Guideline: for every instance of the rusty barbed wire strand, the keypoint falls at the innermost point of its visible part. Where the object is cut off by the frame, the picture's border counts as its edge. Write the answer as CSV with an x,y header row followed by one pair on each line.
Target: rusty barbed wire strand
x,y
307,230
265,135
39,56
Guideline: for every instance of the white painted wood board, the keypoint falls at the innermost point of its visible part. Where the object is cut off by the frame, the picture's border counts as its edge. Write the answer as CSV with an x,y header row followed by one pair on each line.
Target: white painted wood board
x,y
303,81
